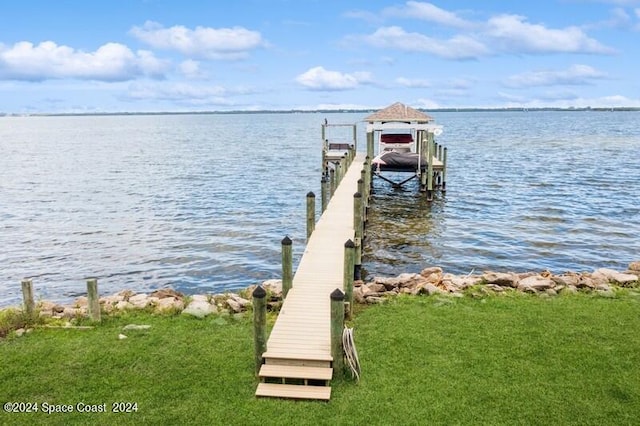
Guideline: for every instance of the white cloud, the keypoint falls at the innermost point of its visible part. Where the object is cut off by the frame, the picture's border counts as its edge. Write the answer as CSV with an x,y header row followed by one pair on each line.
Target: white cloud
x,y
47,60
428,12
574,75
205,42
318,78
413,82
426,104
191,69
500,34
515,34
458,47
611,101
192,94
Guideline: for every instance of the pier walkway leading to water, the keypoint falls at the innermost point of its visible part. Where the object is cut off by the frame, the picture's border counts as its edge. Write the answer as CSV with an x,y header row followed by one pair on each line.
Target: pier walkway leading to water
x,y
298,361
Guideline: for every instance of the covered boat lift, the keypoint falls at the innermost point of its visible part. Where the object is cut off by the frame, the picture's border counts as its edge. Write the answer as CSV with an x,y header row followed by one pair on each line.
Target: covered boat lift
x,y
405,138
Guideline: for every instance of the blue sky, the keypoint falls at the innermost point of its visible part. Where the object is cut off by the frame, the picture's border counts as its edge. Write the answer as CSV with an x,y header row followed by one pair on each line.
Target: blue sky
x,y
161,55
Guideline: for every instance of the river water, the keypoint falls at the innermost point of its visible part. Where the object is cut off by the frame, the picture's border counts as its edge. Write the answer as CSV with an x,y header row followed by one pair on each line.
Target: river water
x,y
201,202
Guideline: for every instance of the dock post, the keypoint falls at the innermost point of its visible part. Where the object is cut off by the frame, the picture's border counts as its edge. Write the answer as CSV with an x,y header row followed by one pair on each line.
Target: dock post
x,y
93,299
430,166
369,181
259,324
362,189
345,164
311,213
324,189
355,139
370,144
287,266
29,305
423,154
349,274
337,326
444,170
358,228
332,182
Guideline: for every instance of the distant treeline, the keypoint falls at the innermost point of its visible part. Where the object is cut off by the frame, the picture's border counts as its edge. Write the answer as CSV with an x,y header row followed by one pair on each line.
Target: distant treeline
x,y
325,111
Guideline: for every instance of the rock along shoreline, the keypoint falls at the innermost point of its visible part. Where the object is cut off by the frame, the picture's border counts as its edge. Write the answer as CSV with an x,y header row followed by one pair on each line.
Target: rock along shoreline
x,y
430,281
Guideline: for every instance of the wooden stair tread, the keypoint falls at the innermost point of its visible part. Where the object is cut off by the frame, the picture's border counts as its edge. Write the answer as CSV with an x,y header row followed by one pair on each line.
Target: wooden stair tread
x,y
298,354
294,391
295,372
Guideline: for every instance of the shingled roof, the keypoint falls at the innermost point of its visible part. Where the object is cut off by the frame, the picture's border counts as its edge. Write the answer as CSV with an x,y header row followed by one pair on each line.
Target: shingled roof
x,y
399,112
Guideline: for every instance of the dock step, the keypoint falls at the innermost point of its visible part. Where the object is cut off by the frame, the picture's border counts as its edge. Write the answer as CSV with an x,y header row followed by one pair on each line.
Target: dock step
x,y
295,372
294,391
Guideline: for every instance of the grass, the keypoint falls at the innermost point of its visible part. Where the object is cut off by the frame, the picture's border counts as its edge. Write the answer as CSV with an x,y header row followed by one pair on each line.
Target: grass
x,y
514,359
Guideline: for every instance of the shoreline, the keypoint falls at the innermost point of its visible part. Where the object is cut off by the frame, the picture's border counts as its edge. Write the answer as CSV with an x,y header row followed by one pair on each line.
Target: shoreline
x,y
430,281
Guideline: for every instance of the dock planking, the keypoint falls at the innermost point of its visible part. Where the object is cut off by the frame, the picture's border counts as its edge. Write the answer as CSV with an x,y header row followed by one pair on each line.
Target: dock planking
x,y
301,334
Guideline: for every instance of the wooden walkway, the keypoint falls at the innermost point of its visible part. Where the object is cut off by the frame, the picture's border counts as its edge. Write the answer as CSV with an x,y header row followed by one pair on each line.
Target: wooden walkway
x,y
299,346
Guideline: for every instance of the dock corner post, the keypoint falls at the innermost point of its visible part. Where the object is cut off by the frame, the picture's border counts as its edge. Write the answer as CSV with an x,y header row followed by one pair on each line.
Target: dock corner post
x,y
337,327
94,299
324,192
311,213
370,144
355,139
259,324
362,187
349,267
287,266
430,153
358,226
369,180
29,305
444,170
332,182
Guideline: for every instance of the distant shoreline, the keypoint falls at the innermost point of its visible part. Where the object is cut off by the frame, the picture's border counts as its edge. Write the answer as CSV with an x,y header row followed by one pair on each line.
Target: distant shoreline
x,y
324,111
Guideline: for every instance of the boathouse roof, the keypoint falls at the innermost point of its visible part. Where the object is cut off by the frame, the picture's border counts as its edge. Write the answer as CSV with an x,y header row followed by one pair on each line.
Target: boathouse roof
x,y
399,112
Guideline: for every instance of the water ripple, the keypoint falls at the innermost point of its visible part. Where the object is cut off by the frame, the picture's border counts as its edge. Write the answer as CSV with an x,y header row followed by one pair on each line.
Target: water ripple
x,y
200,203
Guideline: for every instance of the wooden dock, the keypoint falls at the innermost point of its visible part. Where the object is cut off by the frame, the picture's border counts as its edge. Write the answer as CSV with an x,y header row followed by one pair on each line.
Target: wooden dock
x,y
298,361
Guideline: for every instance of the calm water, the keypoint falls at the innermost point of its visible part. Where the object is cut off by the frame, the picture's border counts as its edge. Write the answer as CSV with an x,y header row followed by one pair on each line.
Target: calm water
x,y
201,202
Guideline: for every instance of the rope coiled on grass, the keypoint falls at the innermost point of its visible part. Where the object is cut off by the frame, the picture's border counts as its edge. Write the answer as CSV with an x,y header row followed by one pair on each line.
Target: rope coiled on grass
x,y
350,353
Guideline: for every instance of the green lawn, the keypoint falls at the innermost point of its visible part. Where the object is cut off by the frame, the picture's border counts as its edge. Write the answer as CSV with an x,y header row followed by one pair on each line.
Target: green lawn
x,y
515,359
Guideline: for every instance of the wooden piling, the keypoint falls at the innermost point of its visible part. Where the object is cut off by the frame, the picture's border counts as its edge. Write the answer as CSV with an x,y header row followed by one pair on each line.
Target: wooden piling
x,y
93,297
332,182
337,326
423,154
355,140
311,213
324,189
287,266
444,170
369,181
358,228
430,148
259,324
29,304
338,172
349,273
370,144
